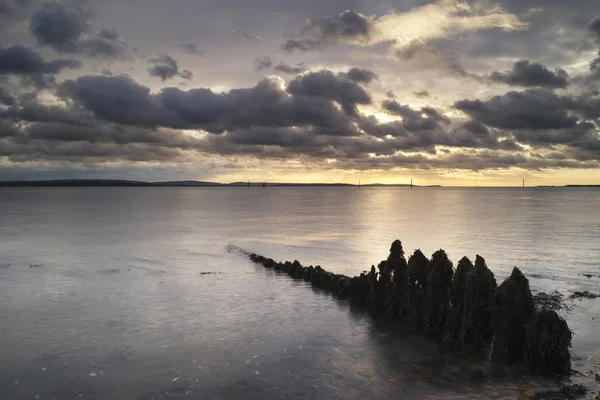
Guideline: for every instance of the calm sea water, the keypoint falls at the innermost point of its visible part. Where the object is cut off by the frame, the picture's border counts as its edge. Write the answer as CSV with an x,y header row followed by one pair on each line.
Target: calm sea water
x,y
133,294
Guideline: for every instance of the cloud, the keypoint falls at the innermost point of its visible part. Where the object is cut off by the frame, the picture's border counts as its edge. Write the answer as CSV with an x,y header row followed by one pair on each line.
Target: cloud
x,y
594,27
524,73
403,30
325,84
534,109
246,36
166,67
8,7
262,63
68,30
290,69
304,45
422,94
191,48
19,60
360,75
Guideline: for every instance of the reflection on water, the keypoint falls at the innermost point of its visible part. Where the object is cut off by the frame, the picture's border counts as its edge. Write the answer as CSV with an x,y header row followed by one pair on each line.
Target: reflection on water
x,y
138,298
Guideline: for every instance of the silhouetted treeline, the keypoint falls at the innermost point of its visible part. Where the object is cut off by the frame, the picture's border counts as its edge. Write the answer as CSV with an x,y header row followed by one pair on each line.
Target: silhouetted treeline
x,y
463,307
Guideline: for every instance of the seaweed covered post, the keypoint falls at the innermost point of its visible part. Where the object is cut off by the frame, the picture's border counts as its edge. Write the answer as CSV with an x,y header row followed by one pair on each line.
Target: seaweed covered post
x,y
512,309
457,294
547,343
416,275
374,296
439,283
476,330
397,264
358,289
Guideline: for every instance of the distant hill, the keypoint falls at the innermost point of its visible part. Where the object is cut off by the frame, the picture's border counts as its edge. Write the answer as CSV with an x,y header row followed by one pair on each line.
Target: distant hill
x,y
129,183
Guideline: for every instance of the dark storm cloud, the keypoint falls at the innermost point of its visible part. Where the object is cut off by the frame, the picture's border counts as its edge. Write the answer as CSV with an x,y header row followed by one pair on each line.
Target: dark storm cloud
x,y
360,75
192,48
122,100
59,27
524,73
6,97
421,94
532,109
20,60
11,6
166,67
594,26
68,30
328,85
426,118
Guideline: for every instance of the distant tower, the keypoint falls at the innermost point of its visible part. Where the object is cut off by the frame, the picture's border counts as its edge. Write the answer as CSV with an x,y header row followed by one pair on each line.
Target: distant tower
x,y
358,183
411,183
248,183
264,184
523,183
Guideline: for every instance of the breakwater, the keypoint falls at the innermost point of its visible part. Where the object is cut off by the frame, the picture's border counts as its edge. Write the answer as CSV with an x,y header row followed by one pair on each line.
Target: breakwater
x,y
463,306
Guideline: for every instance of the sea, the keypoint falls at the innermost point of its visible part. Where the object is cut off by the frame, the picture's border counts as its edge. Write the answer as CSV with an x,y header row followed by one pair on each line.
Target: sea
x,y
143,292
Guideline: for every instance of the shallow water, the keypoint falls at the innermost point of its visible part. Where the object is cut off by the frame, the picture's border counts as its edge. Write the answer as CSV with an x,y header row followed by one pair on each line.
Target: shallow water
x,y
119,305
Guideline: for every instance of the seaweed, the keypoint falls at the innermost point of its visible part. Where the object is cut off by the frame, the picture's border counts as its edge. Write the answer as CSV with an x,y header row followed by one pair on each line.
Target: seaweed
x,y
547,343
416,275
480,285
457,294
512,309
439,284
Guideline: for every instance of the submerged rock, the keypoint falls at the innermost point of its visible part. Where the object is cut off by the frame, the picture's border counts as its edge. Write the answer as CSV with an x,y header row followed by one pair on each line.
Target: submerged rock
x,y
439,283
512,309
476,326
416,275
547,343
456,306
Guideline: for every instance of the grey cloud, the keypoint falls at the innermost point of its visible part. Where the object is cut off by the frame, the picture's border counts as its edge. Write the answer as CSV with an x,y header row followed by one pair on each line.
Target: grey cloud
x,y
426,118
421,94
349,25
533,109
524,73
594,26
191,48
419,50
166,67
326,84
247,36
6,97
67,30
59,27
361,75
122,100
262,63
290,69
12,6
20,60
304,45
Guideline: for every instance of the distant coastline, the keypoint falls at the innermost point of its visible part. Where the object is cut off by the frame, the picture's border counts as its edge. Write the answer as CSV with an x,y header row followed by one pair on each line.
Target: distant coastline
x,y
129,183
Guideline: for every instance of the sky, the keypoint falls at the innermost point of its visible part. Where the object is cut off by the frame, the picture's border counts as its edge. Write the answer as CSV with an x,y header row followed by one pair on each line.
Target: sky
x,y
465,93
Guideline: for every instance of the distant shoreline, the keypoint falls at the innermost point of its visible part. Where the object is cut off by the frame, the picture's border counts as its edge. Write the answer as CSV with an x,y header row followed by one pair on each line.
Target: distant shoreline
x,y
128,183
190,183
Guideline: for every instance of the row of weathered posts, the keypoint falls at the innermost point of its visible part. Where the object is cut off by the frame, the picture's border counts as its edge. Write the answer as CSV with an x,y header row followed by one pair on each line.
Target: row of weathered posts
x,y
463,307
